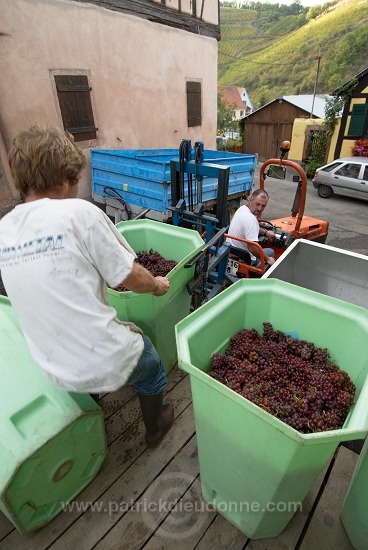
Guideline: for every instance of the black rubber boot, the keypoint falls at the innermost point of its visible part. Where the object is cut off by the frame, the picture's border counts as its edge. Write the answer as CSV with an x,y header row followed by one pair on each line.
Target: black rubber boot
x,y
157,417
95,396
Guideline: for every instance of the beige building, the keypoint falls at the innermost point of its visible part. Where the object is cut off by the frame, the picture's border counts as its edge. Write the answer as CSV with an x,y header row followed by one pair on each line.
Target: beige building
x,y
300,142
352,126
118,74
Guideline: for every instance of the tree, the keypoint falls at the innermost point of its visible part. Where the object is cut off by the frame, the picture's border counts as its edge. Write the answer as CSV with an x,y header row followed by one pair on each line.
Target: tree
x,y
262,97
224,114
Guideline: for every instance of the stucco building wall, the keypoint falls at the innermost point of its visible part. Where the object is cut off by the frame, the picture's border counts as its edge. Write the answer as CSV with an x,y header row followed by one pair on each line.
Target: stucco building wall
x,y
345,146
300,128
137,70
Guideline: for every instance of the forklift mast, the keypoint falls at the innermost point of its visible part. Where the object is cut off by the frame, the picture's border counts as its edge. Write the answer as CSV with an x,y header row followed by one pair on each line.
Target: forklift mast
x,y
186,193
186,190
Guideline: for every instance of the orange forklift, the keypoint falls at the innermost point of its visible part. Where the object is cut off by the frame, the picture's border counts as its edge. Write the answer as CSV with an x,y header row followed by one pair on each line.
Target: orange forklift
x,y
286,229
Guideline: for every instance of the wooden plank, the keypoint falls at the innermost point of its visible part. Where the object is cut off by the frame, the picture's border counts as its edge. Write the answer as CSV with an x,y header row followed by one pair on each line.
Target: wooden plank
x,y
121,421
158,13
117,423
186,523
136,527
113,401
326,531
122,453
6,527
117,501
222,534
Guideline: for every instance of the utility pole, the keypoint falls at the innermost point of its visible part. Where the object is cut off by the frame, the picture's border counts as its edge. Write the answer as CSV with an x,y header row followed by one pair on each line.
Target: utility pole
x,y
319,55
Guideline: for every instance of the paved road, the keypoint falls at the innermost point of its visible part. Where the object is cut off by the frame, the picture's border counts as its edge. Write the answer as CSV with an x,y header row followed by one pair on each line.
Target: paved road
x,y
347,217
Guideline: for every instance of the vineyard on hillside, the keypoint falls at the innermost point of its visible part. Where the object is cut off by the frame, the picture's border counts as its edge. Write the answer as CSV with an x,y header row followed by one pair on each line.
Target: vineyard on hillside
x,y
270,51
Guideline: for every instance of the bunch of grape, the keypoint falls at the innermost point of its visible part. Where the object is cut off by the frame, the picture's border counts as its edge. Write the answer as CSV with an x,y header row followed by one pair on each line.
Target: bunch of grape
x,y
291,379
154,263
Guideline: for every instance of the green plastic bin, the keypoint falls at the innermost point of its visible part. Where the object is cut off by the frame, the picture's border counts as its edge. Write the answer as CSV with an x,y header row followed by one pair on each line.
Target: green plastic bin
x,y
158,315
354,515
52,443
255,469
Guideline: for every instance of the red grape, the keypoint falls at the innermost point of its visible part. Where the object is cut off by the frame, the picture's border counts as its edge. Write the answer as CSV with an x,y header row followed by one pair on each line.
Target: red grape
x,y
291,379
154,263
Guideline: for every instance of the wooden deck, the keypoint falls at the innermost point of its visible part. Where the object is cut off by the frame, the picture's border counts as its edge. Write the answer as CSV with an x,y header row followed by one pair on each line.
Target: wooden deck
x,y
108,513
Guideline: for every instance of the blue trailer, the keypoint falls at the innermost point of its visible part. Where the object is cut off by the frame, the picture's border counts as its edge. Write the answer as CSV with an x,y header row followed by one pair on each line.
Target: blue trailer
x,y
131,180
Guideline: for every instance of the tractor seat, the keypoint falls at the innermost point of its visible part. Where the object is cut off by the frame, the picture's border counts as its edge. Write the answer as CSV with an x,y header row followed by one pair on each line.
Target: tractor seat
x,y
241,254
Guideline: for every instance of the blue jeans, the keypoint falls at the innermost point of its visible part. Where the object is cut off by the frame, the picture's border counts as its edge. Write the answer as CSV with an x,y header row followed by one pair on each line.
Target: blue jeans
x,y
149,376
268,252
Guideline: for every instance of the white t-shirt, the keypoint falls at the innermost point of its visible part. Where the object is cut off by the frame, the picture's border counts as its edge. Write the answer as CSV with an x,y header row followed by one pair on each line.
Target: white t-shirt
x,y
55,256
244,225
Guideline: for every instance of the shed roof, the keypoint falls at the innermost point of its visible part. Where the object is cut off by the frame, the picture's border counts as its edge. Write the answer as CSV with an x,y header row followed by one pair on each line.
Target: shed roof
x,y
304,102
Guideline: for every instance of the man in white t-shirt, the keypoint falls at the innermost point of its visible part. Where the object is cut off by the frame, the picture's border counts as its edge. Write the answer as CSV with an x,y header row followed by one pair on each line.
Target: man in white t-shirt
x,y
245,225
57,253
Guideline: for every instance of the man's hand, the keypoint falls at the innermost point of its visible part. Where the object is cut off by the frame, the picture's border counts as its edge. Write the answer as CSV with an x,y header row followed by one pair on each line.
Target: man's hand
x,y
141,281
270,260
270,235
163,285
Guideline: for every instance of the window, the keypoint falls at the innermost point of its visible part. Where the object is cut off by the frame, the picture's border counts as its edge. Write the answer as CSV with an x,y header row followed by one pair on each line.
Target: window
x,y
194,103
359,121
349,171
331,167
74,97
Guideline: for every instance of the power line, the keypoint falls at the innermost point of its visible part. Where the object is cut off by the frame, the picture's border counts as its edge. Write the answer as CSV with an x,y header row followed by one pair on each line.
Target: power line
x,y
257,62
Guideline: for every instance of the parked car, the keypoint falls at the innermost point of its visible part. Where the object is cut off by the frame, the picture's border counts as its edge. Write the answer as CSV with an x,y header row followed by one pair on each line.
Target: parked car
x,y
344,176
232,135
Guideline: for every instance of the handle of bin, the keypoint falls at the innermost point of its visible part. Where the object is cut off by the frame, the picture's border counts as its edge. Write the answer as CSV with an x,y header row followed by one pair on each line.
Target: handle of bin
x,y
204,250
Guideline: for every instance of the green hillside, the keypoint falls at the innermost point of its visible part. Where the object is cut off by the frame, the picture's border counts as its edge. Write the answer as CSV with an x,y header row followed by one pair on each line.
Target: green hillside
x,y
271,50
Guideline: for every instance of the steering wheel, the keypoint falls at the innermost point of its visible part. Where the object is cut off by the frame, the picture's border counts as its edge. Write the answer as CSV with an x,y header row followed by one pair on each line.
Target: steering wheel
x,y
271,227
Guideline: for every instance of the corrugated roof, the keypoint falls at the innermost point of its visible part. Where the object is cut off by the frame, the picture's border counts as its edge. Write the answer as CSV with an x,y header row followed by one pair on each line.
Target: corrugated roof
x,y
305,102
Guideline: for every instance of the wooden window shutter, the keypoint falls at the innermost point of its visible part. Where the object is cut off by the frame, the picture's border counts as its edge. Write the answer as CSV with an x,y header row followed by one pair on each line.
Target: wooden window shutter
x,y
194,103
358,122
75,105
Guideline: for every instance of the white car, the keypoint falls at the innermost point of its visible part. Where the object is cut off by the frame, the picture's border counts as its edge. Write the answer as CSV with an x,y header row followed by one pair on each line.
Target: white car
x,y
344,176
232,135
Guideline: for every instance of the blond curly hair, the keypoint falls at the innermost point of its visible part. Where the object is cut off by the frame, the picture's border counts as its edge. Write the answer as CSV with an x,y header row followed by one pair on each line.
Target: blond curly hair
x,y
43,157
